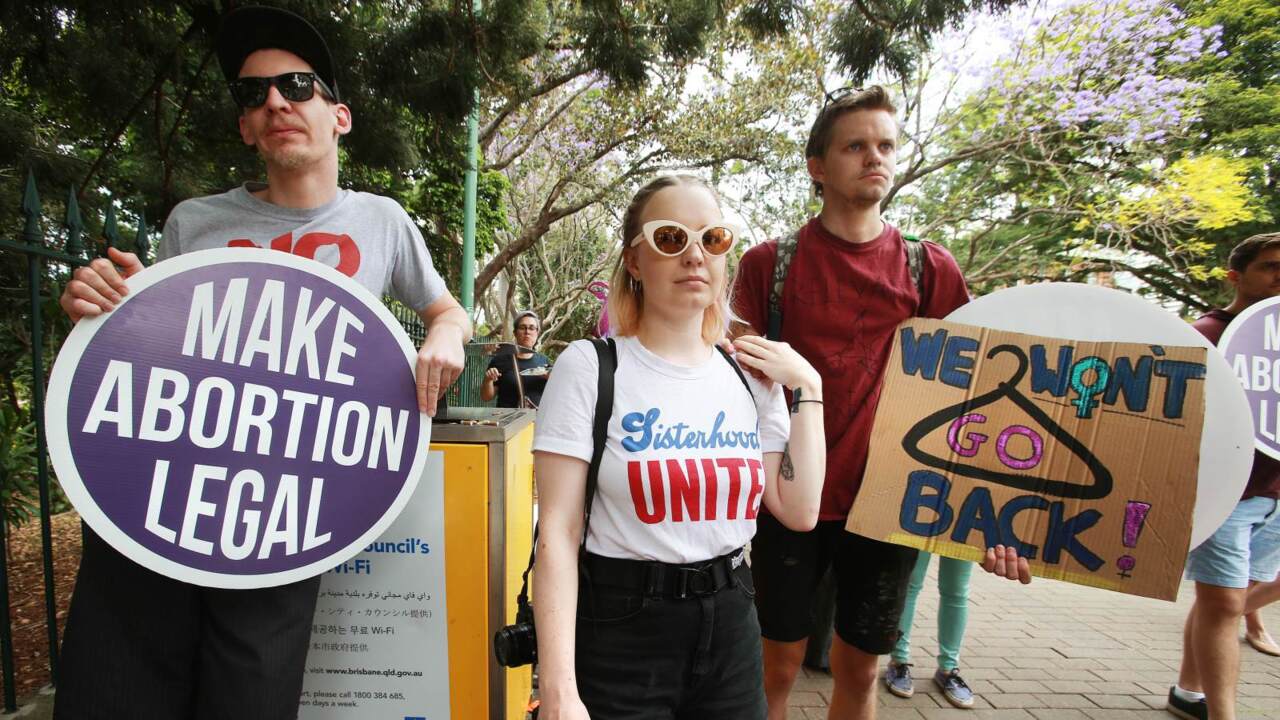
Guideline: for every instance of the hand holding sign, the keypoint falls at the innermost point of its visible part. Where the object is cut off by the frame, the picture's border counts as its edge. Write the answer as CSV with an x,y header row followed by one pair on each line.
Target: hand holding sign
x,y
97,287
241,419
1005,562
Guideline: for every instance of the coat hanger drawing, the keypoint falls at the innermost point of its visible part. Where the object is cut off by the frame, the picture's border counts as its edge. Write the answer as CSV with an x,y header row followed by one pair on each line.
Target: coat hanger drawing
x,y
1100,486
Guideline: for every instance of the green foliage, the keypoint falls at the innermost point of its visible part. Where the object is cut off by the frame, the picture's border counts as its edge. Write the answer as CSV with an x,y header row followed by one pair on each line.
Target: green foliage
x,y
438,196
19,493
1241,118
1126,135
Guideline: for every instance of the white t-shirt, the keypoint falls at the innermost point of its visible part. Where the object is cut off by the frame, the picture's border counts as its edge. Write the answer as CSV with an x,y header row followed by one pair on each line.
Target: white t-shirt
x,y
682,474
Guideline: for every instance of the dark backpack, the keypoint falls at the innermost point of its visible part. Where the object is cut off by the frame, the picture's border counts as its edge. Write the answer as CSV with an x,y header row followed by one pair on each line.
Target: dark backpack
x,y
786,253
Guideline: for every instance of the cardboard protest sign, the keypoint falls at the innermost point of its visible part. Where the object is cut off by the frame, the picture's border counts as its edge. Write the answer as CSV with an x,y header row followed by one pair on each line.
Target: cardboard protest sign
x,y
1251,344
244,418
1082,455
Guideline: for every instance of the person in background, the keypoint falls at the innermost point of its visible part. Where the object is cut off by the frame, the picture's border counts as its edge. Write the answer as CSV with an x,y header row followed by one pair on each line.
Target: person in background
x,y
1245,550
522,387
953,615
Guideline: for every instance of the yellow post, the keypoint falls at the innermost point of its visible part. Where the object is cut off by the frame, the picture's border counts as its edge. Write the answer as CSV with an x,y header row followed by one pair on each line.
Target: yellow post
x,y
488,500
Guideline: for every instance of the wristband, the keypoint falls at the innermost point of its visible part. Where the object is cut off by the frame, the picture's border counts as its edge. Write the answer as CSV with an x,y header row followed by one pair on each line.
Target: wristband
x,y
796,400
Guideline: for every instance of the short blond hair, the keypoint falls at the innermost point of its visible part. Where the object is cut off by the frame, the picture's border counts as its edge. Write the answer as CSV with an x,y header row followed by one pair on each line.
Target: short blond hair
x,y
626,295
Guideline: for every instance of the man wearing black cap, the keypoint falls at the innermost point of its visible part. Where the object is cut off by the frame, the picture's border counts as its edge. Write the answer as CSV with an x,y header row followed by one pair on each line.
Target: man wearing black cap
x,y
141,645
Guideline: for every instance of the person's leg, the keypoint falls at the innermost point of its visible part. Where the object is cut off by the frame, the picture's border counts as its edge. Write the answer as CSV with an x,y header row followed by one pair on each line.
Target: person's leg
x,y
781,667
1264,565
786,566
953,610
1185,699
633,654
1189,672
1220,567
853,696
897,673
953,616
871,588
131,642
902,649
254,651
1216,648
1260,595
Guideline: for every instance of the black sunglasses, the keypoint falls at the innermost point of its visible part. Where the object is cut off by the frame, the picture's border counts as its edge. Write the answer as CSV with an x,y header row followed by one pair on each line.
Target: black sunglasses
x,y
839,94
251,92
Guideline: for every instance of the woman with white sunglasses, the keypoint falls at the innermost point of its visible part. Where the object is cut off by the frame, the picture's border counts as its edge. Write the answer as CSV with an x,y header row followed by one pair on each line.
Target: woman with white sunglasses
x,y
654,618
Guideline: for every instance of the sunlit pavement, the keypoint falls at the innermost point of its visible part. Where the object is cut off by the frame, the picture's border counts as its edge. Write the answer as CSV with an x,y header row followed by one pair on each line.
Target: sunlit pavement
x,y
1055,651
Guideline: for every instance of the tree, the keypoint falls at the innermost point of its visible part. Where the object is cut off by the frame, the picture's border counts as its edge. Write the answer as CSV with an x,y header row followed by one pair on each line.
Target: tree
x,y
1079,154
574,156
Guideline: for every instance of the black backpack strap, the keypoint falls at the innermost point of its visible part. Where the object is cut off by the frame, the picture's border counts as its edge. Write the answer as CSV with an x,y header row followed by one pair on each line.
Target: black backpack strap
x,y
738,369
787,245
607,354
915,263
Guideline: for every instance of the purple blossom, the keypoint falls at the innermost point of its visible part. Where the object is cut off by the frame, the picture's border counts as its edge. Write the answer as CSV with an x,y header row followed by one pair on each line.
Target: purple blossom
x,y
1107,63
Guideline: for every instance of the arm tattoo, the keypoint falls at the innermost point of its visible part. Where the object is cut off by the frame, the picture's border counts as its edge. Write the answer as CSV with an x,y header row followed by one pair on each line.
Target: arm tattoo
x,y
787,472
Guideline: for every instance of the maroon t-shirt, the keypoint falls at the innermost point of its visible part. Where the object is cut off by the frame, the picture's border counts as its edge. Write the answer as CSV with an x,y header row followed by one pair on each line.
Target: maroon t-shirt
x,y
840,305
1264,481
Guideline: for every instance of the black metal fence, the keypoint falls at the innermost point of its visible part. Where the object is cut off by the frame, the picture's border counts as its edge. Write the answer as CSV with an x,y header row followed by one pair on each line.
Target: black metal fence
x,y
41,258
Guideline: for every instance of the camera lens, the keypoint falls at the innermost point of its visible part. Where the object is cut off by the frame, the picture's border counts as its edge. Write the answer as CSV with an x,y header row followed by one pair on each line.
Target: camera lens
x,y
515,645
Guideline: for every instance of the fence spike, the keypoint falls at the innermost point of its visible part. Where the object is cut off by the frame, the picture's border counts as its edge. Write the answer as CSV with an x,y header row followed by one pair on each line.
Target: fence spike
x,y
31,209
74,224
142,243
110,230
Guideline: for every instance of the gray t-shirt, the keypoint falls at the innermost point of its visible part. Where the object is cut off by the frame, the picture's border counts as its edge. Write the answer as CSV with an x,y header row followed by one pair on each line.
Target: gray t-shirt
x,y
367,237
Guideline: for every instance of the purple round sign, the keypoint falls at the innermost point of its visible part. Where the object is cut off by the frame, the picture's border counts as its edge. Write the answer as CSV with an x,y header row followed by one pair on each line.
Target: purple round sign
x,y
243,419
1251,345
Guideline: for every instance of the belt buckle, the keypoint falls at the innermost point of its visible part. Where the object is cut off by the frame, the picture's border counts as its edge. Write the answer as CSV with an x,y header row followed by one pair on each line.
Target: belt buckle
x,y
696,582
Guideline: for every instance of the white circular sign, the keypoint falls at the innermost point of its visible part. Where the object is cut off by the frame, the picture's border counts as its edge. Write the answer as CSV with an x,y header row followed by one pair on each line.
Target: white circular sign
x,y
1089,312
244,418
1251,346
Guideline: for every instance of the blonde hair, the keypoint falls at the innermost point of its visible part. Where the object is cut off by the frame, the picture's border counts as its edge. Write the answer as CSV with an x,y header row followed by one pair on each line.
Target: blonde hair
x,y
626,295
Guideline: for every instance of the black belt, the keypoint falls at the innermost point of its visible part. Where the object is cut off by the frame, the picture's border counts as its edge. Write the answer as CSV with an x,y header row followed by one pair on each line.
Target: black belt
x,y
657,579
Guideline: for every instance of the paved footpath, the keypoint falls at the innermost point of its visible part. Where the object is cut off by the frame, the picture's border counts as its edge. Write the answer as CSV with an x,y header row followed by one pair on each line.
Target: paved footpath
x,y
1046,651
1056,651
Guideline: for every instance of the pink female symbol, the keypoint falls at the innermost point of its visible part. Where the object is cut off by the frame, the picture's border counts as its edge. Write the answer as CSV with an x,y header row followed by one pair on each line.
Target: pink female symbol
x,y
1135,517
1125,563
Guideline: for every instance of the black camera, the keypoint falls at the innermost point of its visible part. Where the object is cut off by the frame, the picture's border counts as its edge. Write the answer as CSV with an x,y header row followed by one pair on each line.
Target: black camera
x,y
516,645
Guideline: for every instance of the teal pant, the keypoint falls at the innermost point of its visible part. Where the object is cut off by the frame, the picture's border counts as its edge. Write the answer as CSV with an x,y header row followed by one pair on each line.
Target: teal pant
x,y
953,609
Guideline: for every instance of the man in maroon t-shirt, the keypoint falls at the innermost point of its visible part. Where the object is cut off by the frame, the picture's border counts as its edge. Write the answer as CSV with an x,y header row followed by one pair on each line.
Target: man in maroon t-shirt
x,y
848,286
1235,569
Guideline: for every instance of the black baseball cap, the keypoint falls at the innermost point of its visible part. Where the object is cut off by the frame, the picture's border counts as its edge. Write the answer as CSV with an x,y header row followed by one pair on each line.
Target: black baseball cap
x,y
249,29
